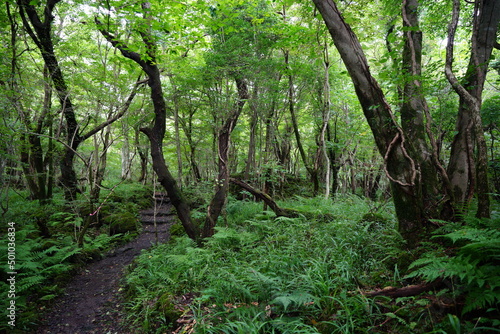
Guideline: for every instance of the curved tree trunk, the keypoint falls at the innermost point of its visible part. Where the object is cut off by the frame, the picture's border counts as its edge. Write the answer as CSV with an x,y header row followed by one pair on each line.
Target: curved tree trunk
x,y
416,175
467,169
157,132
390,139
39,30
223,140
279,211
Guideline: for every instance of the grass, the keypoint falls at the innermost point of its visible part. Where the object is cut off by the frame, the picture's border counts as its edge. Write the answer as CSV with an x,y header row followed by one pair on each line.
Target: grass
x,y
262,274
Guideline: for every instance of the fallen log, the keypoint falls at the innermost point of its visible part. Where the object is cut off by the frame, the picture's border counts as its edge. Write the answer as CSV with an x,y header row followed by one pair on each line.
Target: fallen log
x,y
279,211
407,291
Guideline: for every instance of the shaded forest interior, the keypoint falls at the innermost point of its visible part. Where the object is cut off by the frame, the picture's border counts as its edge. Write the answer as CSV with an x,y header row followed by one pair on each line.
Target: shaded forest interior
x,y
330,166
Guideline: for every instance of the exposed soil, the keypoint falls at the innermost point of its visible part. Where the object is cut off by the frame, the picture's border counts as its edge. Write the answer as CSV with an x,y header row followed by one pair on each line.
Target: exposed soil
x,y
92,302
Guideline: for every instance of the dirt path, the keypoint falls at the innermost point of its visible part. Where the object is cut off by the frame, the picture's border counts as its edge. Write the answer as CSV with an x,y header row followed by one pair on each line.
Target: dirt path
x,y
92,302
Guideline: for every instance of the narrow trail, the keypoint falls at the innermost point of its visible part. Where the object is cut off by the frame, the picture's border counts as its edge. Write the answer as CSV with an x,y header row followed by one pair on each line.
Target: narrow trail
x,y
92,302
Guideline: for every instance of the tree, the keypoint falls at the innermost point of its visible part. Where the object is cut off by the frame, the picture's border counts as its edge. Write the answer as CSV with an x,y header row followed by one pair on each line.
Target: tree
x,y
39,27
156,133
239,47
415,172
468,171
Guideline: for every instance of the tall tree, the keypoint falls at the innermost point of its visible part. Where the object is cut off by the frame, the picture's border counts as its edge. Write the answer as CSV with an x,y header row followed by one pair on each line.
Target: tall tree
x,y
39,26
39,29
156,133
238,47
416,175
468,170
223,142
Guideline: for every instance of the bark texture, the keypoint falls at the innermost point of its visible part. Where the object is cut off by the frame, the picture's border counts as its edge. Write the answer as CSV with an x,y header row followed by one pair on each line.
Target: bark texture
x,y
39,29
156,133
467,169
421,187
389,137
223,143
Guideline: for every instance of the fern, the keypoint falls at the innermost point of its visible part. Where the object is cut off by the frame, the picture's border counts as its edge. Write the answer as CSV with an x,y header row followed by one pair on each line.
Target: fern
x,y
27,282
297,299
475,266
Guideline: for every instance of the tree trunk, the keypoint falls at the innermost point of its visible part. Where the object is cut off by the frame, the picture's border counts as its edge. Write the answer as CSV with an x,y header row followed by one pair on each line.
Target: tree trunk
x,y
333,156
40,32
416,120
143,155
223,141
156,133
468,172
268,149
326,118
125,153
96,176
405,150
313,173
177,132
254,117
187,127
389,137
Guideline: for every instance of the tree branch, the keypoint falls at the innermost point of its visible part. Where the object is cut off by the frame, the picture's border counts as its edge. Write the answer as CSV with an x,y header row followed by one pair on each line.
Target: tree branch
x,y
280,212
117,116
124,49
146,36
452,28
25,9
411,290
68,146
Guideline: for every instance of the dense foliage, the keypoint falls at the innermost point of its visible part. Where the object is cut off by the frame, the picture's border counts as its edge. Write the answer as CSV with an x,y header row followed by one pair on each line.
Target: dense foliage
x,y
45,264
265,274
371,127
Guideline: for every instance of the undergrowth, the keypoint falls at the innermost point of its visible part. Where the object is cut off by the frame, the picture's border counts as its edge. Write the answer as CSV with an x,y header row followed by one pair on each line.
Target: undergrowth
x,y
265,274
467,257
43,265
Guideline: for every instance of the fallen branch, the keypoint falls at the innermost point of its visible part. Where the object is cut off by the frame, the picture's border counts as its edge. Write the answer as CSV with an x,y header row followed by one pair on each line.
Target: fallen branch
x,y
407,291
280,212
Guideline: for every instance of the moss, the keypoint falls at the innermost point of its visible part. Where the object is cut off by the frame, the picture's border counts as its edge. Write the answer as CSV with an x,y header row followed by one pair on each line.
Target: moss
x,y
122,223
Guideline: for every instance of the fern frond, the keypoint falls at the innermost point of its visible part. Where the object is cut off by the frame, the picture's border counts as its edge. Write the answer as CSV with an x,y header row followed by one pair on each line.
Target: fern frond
x,y
297,299
27,282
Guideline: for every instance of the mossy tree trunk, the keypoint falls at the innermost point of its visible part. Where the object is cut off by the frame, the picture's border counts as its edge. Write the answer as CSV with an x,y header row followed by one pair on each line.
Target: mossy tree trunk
x,y
468,167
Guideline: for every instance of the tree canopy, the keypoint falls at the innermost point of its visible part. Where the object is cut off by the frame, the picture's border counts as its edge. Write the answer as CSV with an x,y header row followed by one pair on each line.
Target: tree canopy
x,y
264,100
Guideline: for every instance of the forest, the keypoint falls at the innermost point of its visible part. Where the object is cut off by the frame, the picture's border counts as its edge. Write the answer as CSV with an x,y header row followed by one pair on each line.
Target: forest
x,y
285,166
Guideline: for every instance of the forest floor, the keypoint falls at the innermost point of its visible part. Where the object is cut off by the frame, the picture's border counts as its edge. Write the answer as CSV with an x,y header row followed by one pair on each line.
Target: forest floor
x,y
92,302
